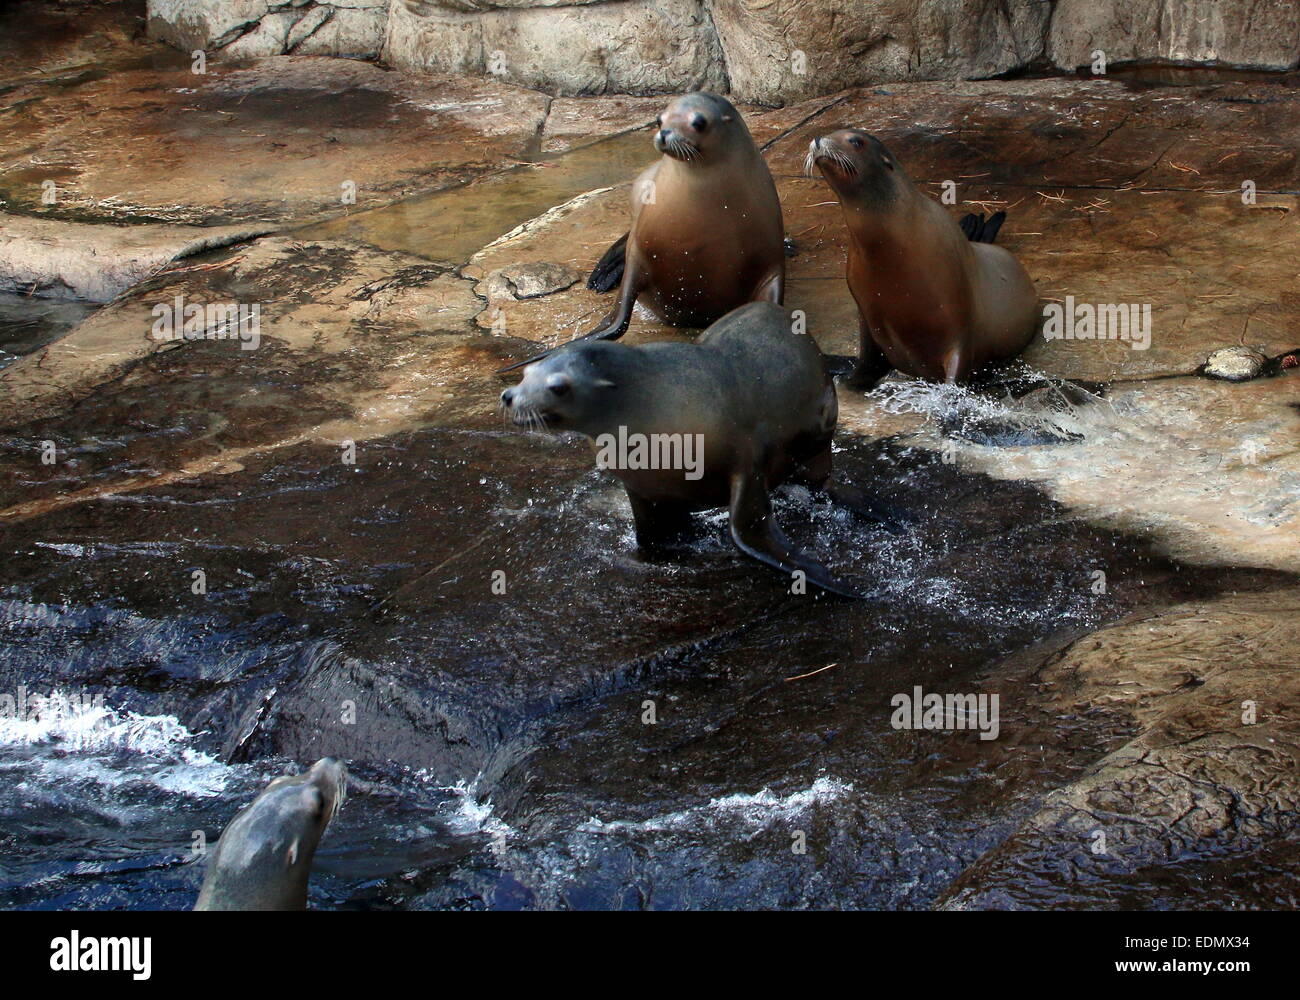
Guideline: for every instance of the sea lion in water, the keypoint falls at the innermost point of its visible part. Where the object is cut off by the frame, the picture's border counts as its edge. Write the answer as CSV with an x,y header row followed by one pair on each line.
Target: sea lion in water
x,y
745,407
706,234
931,301
264,856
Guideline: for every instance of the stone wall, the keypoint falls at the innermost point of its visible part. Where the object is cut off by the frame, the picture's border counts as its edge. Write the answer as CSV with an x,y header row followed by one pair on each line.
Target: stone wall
x,y
763,51
244,29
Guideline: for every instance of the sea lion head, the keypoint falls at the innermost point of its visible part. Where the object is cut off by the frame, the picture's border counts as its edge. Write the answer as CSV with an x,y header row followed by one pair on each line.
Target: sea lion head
x,y
568,390
852,161
264,857
697,126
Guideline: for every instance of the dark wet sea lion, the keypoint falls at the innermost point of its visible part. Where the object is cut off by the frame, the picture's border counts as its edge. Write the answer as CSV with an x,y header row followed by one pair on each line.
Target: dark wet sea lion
x,y
264,856
706,231
752,394
931,302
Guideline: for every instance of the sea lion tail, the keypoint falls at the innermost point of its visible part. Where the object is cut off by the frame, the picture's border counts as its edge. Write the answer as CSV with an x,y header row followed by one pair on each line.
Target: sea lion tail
x,y
608,272
981,230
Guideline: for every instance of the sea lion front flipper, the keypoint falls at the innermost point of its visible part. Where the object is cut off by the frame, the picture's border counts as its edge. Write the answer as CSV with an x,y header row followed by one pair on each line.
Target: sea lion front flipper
x,y
872,365
608,271
660,523
756,533
772,287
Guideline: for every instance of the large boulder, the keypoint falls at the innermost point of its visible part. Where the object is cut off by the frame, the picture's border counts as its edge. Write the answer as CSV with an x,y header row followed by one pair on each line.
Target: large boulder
x,y
636,47
252,28
1231,32
791,49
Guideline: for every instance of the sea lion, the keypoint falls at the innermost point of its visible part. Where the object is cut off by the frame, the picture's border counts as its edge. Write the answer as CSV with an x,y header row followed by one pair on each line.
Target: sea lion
x,y
933,301
264,856
745,407
706,234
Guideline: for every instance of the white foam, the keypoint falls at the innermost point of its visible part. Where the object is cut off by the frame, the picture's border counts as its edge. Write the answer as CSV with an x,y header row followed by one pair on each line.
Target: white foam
x,y
471,815
82,732
756,810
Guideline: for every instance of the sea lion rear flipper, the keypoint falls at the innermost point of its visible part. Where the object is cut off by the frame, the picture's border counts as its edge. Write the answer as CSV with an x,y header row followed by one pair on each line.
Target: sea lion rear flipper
x,y
889,517
970,225
660,523
981,230
608,271
756,533
991,227
839,364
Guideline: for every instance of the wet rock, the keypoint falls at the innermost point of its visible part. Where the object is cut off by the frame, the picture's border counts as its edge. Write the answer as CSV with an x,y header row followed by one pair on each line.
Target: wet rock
x,y
632,47
1234,364
528,281
53,41
316,300
1096,133
285,138
1210,772
1209,470
573,121
1226,32
69,260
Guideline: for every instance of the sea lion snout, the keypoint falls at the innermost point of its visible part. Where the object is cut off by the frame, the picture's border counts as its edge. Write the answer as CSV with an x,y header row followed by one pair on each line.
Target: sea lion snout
x,y
847,154
685,125
548,395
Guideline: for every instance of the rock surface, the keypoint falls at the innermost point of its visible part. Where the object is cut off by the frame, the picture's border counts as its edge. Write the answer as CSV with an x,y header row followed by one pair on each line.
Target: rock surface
x,y
1208,766
71,260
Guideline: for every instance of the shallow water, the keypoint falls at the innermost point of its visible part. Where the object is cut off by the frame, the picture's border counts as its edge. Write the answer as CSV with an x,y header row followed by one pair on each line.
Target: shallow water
x,y
28,324
453,224
499,753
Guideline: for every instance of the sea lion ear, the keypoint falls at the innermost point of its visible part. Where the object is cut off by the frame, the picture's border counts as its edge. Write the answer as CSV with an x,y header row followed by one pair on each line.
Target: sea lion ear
x,y
604,383
889,164
726,118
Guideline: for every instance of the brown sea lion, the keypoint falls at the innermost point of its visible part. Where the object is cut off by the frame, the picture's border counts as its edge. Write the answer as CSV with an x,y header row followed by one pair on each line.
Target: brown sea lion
x,y
264,856
719,422
933,301
706,234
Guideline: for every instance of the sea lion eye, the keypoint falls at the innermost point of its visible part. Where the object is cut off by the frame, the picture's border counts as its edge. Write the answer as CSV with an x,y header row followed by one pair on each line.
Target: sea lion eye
x,y
856,143
559,385
699,123
659,121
